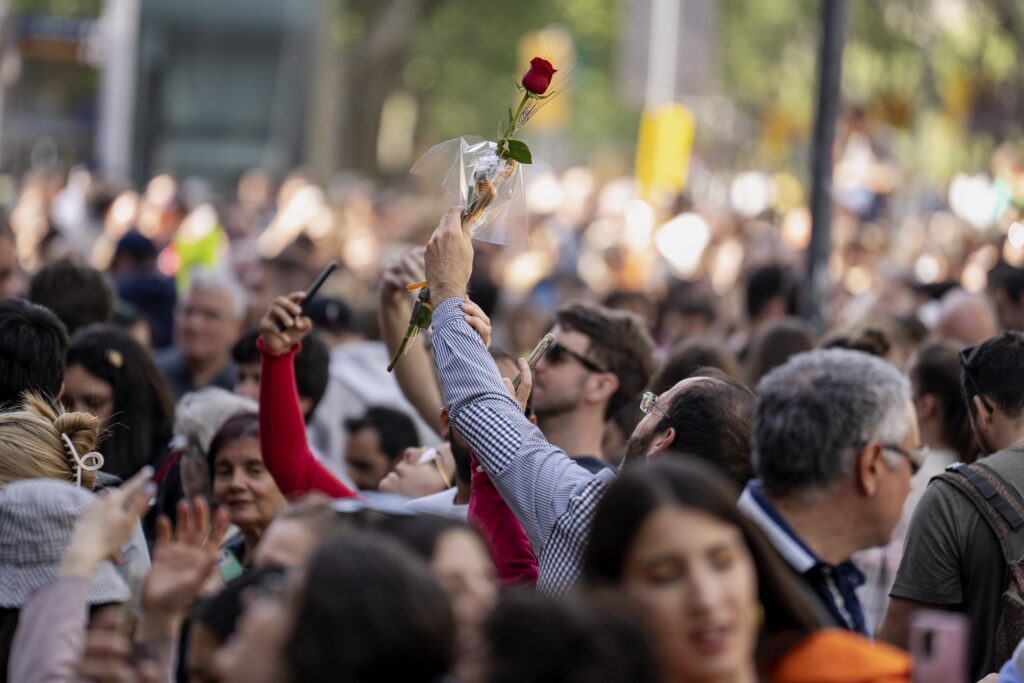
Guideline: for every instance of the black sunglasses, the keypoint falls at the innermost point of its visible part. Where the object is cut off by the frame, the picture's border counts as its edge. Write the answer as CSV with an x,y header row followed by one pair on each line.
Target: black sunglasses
x,y
966,357
557,353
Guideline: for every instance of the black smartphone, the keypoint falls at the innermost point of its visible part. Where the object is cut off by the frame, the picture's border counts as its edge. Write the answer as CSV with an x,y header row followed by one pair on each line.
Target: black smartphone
x,y
313,289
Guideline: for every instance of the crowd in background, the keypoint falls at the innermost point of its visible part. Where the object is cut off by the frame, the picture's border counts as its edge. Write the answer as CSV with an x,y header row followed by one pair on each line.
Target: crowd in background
x,y
694,484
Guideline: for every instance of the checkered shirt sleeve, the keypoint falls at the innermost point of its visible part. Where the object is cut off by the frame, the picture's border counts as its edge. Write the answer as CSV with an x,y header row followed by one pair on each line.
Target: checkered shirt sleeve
x,y
553,497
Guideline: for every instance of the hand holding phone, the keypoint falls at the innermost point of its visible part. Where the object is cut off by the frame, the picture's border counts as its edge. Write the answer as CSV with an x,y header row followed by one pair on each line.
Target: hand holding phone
x,y
313,290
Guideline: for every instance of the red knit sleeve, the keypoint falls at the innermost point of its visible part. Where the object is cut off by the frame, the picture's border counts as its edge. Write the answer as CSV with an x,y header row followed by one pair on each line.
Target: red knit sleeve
x,y
510,547
283,432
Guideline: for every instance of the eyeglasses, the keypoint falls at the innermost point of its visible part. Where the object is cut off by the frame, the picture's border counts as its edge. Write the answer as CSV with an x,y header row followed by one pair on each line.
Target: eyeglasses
x,y
432,455
557,353
649,402
966,356
915,456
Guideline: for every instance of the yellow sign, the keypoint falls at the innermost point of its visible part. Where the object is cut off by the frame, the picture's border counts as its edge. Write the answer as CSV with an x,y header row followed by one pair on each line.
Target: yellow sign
x,y
663,150
554,45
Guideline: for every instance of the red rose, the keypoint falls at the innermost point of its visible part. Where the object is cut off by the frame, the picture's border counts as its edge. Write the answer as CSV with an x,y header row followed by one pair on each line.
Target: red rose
x,y
538,77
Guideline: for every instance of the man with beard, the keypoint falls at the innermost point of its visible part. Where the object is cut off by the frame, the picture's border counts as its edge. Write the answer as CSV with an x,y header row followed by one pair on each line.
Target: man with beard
x,y
600,360
952,559
554,498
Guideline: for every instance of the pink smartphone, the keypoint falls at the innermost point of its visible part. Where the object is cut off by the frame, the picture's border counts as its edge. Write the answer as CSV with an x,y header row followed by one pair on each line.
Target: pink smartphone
x,y
938,644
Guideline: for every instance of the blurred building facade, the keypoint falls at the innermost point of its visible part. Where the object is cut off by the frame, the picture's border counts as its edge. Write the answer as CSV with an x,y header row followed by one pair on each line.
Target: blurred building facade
x,y
137,87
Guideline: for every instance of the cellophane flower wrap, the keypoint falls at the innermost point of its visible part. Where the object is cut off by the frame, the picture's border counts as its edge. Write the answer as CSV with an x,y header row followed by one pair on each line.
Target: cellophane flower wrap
x,y
486,179
490,189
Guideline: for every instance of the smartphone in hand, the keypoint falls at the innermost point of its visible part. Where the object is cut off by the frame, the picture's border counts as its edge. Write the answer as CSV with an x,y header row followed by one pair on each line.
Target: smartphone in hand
x,y
314,289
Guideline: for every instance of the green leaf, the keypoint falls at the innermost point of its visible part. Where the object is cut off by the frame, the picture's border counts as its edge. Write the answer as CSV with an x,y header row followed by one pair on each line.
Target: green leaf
x,y
510,115
518,151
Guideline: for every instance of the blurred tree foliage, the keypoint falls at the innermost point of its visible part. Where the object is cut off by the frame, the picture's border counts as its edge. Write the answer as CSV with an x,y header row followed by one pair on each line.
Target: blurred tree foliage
x,y
467,51
59,8
459,59
947,76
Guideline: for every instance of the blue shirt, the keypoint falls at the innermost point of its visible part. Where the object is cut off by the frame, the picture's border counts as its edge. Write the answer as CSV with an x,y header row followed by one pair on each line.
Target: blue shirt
x,y
835,584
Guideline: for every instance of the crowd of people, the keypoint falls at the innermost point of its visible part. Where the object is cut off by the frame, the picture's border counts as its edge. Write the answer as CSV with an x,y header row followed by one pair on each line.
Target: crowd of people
x,y
202,479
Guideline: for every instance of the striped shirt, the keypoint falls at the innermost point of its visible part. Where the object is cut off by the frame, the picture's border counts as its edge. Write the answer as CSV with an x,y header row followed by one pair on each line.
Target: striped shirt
x,y
553,497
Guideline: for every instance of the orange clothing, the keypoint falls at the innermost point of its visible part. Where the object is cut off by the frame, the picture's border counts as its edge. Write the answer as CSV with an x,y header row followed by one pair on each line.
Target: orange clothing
x,y
835,656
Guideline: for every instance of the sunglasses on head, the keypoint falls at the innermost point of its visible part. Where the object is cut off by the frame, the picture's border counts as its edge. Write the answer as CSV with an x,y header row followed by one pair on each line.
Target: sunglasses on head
x,y
558,353
966,358
915,456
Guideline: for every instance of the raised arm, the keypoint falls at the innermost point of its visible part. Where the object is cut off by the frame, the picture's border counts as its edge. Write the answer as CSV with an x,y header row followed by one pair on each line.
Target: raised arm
x,y
283,440
537,480
415,372
51,625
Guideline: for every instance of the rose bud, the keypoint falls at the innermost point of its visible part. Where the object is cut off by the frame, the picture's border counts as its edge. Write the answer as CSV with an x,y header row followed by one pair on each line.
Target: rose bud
x,y
538,77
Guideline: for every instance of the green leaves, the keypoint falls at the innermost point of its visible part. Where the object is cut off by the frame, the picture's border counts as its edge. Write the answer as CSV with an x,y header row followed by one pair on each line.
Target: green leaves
x,y
515,150
420,319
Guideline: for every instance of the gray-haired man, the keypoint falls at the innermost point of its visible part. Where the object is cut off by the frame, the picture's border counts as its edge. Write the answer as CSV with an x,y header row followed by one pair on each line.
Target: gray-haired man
x,y
836,443
206,325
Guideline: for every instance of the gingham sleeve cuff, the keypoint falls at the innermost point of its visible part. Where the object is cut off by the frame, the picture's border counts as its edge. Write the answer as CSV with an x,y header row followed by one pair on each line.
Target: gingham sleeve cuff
x,y
449,310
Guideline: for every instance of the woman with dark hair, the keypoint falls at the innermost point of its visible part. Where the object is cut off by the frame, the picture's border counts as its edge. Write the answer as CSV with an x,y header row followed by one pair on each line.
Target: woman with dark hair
x,y
945,429
111,376
719,604
459,559
774,344
941,410
242,484
367,611
535,638
688,357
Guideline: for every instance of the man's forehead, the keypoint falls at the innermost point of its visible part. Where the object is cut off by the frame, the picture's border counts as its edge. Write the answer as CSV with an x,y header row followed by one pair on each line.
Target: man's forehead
x,y
210,297
562,332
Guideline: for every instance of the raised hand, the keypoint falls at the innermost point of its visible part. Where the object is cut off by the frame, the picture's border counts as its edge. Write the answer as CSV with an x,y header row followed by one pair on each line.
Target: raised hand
x,y
183,559
405,270
108,658
284,326
449,258
521,393
478,320
107,524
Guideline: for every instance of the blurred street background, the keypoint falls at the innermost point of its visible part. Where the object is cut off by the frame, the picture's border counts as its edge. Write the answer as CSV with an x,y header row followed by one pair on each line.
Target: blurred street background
x,y
245,131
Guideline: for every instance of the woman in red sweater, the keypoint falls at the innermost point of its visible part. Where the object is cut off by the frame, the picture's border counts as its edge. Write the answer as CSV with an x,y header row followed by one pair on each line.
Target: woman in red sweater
x,y
296,470
286,452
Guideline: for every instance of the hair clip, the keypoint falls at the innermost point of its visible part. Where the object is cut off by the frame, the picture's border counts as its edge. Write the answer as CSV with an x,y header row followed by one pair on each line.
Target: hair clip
x,y
115,358
90,462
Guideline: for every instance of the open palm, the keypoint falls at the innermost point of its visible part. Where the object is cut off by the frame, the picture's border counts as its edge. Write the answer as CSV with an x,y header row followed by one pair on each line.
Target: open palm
x,y
184,558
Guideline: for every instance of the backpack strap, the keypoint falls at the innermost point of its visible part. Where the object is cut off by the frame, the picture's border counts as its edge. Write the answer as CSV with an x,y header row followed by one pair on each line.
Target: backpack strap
x,y
998,502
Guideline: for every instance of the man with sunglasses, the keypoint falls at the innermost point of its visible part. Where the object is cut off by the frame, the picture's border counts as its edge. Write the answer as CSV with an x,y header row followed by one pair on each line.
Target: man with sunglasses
x,y
550,494
601,359
953,559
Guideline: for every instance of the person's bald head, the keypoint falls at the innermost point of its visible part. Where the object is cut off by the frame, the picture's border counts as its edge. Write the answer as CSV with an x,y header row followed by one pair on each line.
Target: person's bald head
x,y
966,318
707,416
